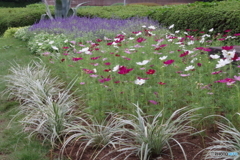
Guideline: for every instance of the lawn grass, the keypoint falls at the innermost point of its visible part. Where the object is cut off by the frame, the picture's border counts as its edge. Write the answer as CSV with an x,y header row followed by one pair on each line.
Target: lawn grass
x,y
13,144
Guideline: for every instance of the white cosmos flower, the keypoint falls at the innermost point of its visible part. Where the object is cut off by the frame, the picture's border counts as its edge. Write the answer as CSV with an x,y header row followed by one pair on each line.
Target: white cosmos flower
x,y
189,68
116,68
163,57
228,54
138,33
177,31
211,30
193,60
202,40
190,42
95,70
144,26
223,62
55,48
51,42
152,27
66,41
131,38
171,26
206,35
143,62
214,56
139,81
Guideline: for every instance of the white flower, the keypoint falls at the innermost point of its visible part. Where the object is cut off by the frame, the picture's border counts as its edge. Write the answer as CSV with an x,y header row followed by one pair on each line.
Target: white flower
x,y
116,68
206,35
66,41
228,54
51,42
55,48
152,27
131,38
151,33
139,33
163,57
214,56
190,42
211,30
185,33
144,26
177,31
94,70
193,60
171,26
189,68
143,62
222,62
139,81
202,40
40,44
123,33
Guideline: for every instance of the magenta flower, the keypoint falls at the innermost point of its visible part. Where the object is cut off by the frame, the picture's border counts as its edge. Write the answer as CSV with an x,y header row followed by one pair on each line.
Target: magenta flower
x,y
88,71
237,34
77,59
150,71
104,80
227,48
184,54
217,72
161,83
94,58
153,102
107,63
228,81
168,62
228,30
140,39
124,70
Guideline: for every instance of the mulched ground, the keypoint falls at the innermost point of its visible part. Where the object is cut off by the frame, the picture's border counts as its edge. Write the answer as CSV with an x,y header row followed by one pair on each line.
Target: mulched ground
x,y
191,150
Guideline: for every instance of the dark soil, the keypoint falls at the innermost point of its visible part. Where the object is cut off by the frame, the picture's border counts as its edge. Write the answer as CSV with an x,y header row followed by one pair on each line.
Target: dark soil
x,y
192,145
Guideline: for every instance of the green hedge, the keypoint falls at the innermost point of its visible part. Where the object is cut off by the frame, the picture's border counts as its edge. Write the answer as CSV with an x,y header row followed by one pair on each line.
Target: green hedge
x,y
221,16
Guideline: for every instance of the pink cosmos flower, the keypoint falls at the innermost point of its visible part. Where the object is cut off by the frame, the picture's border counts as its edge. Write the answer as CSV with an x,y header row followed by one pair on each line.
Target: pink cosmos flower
x,y
237,78
227,48
94,58
107,63
104,80
228,81
161,83
168,62
153,102
77,59
65,47
140,40
228,30
82,83
184,54
150,71
88,71
221,39
124,70
185,75
237,34
94,75
217,72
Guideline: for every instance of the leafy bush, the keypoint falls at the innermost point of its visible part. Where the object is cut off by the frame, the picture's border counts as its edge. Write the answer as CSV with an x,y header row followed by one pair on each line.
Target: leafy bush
x,y
10,32
18,17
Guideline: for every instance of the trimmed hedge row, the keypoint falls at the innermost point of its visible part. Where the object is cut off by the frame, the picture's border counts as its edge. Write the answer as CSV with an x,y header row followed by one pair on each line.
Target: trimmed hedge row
x,y
221,16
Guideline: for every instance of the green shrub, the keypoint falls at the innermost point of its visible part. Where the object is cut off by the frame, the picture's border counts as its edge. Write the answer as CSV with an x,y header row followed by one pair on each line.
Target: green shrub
x,y
10,32
201,16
